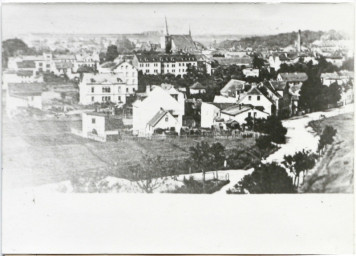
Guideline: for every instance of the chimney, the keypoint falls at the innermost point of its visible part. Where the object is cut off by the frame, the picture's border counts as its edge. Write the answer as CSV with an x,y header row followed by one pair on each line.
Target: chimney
x,y
148,88
299,41
240,106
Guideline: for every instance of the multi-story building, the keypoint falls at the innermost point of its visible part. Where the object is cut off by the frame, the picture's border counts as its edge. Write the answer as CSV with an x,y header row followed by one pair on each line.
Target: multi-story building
x,y
154,64
103,88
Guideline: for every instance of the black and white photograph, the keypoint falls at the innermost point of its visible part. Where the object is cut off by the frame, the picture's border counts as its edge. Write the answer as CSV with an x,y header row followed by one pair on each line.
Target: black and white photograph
x,y
226,100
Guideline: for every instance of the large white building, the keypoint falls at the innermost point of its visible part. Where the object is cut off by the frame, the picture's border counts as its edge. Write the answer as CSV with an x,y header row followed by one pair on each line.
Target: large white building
x,y
162,108
124,70
153,64
104,88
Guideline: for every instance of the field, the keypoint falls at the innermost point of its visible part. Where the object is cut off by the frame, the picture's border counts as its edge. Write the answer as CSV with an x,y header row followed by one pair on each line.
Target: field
x,y
334,173
42,152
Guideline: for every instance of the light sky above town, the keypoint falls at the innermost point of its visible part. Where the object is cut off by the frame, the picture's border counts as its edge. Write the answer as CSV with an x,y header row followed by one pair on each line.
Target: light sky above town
x,y
204,18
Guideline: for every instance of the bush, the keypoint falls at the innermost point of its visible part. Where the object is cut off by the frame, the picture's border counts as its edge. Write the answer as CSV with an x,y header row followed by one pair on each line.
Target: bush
x,y
327,137
264,142
192,186
266,178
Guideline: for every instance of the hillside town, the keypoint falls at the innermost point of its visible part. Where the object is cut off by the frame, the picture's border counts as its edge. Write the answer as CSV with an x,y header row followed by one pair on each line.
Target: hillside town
x,y
192,112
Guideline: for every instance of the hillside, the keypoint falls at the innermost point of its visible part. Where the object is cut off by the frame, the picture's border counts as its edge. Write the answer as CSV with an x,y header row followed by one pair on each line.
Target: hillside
x,y
281,40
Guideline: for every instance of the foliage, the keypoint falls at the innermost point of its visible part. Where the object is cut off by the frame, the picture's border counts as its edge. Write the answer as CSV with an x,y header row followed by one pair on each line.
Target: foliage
x,y
348,64
327,137
150,173
271,126
13,47
192,186
301,161
111,53
258,62
206,157
266,178
264,142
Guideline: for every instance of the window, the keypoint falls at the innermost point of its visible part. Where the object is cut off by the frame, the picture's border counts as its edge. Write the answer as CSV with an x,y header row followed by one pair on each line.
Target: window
x,y
258,97
40,64
106,89
249,114
173,70
92,89
166,119
147,71
173,65
119,89
48,65
93,120
127,89
249,97
179,64
156,71
119,98
92,99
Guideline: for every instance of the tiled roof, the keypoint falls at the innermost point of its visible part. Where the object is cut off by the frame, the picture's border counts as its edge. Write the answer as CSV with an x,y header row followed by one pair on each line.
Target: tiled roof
x,y
90,79
62,65
278,85
294,77
25,89
184,42
26,64
157,117
108,64
24,73
64,57
234,61
221,105
233,85
236,109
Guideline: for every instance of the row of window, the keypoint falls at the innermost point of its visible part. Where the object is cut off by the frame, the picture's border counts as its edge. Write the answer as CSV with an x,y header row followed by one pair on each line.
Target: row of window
x,y
173,65
108,89
105,98
250,97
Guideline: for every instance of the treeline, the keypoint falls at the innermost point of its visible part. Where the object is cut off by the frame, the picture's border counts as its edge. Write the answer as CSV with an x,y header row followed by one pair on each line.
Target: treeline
x,y
280,40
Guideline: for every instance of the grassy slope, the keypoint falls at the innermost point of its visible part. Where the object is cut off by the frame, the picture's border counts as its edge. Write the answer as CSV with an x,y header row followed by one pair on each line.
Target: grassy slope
x,y
334,173
40,152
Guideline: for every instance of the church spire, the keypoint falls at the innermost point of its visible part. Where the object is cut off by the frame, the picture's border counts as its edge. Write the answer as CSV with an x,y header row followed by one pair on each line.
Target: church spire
x,y
167,34
190,33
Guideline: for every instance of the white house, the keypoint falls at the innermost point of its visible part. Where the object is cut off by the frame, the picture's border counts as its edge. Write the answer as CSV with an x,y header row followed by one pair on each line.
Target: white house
x,y
251,72
98,126
154,106
217,114
103,88
240,112
23,95
20,76
86,60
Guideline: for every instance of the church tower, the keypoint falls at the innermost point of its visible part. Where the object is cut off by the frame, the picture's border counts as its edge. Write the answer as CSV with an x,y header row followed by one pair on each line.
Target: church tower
x,y
168,39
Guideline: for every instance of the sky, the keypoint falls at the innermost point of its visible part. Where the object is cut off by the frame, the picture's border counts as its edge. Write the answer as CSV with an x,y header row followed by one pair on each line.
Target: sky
x,y
203,18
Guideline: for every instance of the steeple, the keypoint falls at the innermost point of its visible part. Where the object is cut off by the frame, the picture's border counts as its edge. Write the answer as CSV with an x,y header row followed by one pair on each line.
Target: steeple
x,y
190,33
167,34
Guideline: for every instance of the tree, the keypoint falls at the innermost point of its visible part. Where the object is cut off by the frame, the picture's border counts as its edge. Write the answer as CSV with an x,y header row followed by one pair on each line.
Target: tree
x,y
334,93
266,178
150,173
13,47
111,53
257,62
348,64
206,157
301,161
326,138
264,142
273,127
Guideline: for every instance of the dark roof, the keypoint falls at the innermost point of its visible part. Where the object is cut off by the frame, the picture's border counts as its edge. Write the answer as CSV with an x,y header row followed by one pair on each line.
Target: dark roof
x,y
221,105
183,42
26,64
234,61
254,91
25,89
157,117
165,57
197,85
62,65
24,73
294,77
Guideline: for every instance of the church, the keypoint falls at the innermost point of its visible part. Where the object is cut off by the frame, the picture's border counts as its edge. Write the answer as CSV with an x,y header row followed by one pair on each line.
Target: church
x,y
178,43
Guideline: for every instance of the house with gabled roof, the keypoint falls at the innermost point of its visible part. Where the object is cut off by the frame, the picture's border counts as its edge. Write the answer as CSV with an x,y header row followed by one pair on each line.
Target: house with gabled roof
x,y
233,87
148,111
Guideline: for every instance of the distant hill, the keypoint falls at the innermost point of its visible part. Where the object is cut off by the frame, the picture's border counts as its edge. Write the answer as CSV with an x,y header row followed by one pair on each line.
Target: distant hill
x,y
281,40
